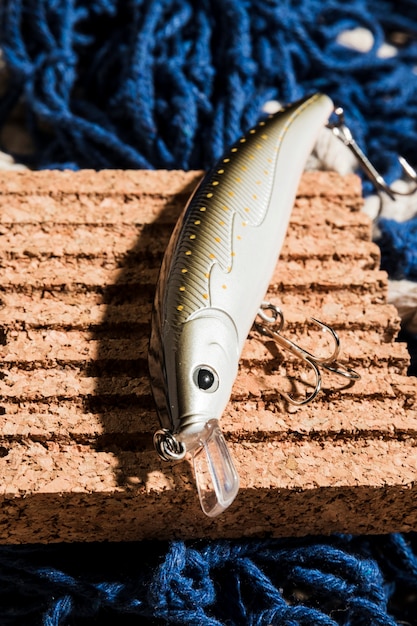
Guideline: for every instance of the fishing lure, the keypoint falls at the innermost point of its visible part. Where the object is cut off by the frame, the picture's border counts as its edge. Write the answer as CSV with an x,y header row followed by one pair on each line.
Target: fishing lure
x,y
213,278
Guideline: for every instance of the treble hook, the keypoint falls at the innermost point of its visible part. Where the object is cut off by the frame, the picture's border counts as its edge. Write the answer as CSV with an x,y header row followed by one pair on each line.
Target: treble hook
x,y
342,132
328,363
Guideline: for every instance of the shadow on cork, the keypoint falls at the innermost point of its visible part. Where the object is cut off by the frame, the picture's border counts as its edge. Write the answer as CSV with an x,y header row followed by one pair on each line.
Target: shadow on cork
x,y
122,397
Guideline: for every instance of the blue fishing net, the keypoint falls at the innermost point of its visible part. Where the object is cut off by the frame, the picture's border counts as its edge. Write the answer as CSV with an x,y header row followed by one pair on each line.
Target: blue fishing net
x,y
355,581
169,84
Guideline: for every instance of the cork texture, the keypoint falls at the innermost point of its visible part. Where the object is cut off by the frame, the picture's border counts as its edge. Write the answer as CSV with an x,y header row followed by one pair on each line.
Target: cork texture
x,y
79,255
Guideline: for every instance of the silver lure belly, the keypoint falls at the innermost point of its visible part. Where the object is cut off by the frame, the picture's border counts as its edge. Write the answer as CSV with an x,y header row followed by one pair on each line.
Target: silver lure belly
x,y
214,275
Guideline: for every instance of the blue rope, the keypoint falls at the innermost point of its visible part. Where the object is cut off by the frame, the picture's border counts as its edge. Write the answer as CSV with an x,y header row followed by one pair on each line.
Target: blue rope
x,y
169,84
398,247
322,581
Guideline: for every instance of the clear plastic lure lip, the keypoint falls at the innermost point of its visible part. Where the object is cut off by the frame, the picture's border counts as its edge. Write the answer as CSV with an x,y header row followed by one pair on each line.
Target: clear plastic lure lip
x,y
215,474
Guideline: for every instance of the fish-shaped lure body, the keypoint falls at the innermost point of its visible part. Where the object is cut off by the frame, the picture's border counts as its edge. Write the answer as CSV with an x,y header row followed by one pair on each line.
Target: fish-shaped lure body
x,y
214,275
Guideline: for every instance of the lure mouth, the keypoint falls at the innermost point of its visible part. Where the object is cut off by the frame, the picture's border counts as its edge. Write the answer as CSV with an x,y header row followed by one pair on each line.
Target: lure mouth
x,y
215,473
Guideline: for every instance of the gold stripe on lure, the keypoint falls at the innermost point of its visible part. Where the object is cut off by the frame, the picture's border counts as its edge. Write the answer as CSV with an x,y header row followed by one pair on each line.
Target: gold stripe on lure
x,y
212,282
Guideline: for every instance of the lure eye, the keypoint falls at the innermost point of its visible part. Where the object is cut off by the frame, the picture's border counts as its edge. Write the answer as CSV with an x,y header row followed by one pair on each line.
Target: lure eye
x,y
206,379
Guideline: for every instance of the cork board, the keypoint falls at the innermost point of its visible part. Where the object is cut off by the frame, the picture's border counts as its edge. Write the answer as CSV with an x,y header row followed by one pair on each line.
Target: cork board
x,y
80,254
